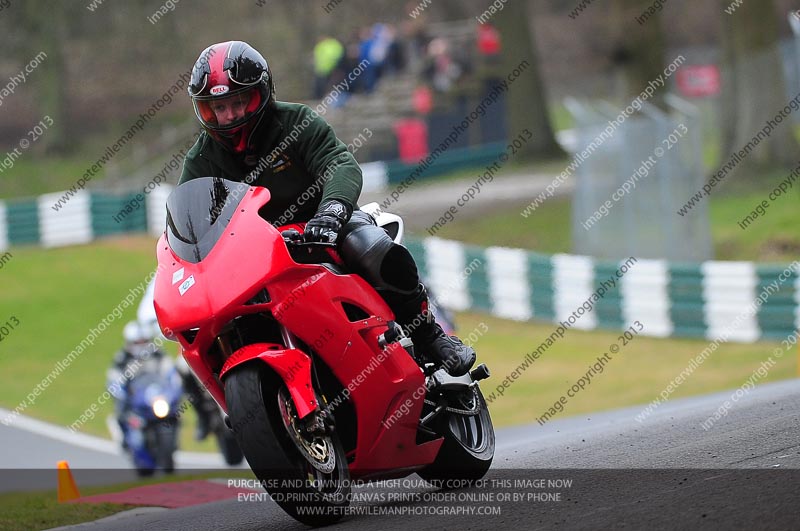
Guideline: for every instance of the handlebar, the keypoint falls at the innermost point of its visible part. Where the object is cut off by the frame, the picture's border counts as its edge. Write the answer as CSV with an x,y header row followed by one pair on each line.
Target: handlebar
x,y
294,238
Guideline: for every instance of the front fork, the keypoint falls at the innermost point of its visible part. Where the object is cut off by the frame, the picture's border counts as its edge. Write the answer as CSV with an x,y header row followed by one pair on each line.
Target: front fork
x,y
318,422
291,364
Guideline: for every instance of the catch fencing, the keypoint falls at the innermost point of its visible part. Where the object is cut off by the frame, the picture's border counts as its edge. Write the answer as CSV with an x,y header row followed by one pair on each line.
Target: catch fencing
x,y
659,156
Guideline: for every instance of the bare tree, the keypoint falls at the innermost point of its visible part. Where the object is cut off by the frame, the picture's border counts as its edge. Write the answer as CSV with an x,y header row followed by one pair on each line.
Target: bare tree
x,y
527,101
638,51
47,28
753,84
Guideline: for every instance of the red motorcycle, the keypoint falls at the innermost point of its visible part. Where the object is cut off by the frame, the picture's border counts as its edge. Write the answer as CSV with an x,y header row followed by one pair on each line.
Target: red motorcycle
x,y
320,385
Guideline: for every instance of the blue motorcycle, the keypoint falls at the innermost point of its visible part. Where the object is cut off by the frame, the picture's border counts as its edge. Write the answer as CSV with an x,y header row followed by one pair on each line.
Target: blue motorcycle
x,y
150,416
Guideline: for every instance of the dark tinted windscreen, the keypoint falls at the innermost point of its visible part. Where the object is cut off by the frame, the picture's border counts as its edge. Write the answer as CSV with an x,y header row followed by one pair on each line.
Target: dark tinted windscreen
x,y
198,212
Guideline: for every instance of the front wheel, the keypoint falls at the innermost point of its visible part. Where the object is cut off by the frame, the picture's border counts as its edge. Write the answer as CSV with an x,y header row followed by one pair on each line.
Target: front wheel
x,y
468,447
165,436
307,476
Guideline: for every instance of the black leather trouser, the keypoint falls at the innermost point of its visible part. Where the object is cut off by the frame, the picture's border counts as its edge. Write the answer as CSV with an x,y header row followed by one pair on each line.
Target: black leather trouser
x,y
368,251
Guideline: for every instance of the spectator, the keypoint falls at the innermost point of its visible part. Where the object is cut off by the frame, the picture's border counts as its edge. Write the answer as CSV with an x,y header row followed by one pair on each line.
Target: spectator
x,y
381,40
348,65
441,70
370,76
396,54
422,99
415,30
328,53
489,44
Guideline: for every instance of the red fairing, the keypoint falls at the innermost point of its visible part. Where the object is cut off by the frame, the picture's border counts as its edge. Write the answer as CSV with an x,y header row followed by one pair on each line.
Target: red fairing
x,y
195,302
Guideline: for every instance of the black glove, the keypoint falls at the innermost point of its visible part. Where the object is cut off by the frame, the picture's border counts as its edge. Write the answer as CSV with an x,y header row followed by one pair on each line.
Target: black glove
x,y
327,222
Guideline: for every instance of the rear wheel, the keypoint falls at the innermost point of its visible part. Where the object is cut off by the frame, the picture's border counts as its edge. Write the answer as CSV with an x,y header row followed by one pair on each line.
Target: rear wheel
x,y
468,447
306,475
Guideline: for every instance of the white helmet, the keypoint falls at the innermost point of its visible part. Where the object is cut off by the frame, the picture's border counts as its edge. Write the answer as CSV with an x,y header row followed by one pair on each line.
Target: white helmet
x,y
137,339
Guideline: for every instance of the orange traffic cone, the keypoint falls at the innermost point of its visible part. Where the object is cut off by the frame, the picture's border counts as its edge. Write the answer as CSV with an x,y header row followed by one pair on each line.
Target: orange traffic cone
x,y
67,490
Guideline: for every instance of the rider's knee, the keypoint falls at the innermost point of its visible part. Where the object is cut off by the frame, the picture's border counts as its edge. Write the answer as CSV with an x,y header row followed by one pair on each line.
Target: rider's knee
x,y
369,251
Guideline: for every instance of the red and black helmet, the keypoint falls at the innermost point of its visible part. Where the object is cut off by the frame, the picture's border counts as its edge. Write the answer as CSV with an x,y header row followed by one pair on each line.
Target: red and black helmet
x,y
231,85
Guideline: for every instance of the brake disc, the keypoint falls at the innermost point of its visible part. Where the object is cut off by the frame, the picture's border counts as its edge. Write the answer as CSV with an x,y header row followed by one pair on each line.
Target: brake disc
x,y
316,449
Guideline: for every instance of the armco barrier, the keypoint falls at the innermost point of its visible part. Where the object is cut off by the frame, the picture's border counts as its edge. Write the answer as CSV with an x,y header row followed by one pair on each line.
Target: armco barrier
x,y
88,215
671,300
682,300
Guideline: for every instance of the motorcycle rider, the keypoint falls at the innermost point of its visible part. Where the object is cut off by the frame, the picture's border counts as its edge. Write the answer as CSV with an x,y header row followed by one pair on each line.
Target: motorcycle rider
x,y
290,149
139,347
127,361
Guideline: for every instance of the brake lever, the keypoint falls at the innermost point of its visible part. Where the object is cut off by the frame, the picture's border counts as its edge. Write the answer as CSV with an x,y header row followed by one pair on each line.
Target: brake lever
x,y
294,238
314,244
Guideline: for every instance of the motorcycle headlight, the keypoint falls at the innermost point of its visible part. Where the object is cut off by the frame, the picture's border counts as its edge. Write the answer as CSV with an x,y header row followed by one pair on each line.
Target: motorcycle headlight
x,y
160,408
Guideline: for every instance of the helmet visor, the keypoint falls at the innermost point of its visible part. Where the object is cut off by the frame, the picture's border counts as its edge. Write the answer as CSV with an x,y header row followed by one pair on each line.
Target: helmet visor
x,y
230,111
241,73
244,70
200,74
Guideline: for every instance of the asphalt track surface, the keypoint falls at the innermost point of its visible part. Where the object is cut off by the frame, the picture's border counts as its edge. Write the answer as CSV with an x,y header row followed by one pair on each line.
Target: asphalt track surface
x,y
32,448
604,471
423,203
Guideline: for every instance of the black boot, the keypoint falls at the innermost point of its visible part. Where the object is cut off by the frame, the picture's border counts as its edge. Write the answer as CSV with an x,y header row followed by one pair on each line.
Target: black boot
x,y
412,313
456,357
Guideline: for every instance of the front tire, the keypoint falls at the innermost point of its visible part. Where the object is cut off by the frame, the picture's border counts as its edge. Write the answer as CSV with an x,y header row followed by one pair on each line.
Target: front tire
x,y
166,444
307,477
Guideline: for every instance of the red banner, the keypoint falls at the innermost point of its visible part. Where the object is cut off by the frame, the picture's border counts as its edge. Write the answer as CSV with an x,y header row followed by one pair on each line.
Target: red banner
x,y
697,81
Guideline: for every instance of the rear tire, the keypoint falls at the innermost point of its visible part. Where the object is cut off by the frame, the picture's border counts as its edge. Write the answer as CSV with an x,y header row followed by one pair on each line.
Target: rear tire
x,y
468,448
258,402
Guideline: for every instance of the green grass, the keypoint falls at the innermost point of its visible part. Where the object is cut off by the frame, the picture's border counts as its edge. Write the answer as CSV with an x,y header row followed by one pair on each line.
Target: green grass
x,y
512,167
774,237
548,230
34,173
58,295
635,376
561,118
24,511
33,176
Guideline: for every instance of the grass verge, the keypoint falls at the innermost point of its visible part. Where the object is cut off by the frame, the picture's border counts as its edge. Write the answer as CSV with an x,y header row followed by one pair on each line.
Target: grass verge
x,y
58,295
635,376
772,237
25,511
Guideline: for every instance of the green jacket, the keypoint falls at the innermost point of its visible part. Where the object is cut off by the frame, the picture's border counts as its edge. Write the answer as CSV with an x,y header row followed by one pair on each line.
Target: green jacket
x,y
298,158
